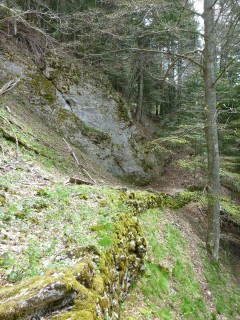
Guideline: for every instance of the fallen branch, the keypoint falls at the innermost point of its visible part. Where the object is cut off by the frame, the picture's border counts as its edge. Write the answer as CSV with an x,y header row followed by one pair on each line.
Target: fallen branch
x,y
78,163
79,181
13,131
71,152
8,86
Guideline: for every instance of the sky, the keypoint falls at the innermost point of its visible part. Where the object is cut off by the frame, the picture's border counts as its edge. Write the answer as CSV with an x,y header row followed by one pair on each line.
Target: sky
x,y
198,4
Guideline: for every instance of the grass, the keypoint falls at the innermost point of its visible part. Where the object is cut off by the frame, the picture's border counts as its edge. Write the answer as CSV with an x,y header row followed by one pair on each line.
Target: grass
x,y
169,285
59,220
224,288
43,220
45,223
170,288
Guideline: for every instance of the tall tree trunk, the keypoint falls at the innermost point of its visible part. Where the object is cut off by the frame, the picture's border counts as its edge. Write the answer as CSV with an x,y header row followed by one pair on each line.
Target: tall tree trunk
x,y
139,111
213,231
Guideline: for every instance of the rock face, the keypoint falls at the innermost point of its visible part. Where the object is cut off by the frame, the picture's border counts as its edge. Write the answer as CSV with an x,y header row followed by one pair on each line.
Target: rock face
x,y
88,112
89,105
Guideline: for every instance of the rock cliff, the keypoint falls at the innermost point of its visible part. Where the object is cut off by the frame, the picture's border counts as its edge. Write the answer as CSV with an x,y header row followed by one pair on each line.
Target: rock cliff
x,y
81,105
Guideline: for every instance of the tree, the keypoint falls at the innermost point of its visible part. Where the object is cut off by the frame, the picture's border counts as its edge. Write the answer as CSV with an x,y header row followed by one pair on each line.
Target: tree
x,y
213,231
150,52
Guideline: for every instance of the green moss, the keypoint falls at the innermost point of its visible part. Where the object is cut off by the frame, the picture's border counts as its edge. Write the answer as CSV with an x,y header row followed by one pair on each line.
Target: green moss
x,y
182,198
75,124
141,201
232,208
83,278
104,303
97,227
3,200
122,109
86,300
10,296
64,71
43,87
98,284
75,315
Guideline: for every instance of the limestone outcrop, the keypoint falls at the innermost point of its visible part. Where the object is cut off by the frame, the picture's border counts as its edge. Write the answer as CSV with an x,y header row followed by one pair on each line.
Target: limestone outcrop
x,y
81,105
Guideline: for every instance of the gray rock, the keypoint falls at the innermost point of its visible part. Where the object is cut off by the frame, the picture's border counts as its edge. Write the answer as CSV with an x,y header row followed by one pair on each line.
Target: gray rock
x,y
88,117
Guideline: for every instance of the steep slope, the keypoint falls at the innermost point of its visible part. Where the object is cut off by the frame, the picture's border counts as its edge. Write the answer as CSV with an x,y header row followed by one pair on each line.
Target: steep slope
x,y
80,104
72,251
179,280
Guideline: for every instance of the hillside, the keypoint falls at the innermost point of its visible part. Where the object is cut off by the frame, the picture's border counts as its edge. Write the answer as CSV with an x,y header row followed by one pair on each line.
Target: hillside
x,y
54,233
80,104
94,223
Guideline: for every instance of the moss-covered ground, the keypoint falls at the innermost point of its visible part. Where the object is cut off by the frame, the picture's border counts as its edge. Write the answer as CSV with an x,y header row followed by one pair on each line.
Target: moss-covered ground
x,y
47,224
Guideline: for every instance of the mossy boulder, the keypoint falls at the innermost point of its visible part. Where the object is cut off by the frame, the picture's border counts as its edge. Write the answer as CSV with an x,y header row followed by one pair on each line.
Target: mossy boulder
x,y
93,287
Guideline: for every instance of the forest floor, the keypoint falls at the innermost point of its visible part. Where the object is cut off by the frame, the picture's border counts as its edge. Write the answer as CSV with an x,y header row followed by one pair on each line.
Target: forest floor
x,y
179,281
204,290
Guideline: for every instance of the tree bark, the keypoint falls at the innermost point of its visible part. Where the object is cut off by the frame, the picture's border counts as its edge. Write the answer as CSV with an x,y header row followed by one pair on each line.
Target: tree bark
x,y
139,110
213,230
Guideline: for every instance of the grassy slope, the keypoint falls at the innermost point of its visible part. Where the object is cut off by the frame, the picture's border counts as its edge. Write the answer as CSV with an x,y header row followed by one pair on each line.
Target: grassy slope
x,y
178,283
39,212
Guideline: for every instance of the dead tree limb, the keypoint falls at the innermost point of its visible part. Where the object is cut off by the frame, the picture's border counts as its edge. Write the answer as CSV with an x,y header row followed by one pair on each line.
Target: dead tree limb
x,y
77,161
13,131
7,87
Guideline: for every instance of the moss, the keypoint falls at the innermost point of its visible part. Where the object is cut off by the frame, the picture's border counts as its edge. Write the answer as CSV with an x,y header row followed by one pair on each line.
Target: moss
x,y
75,124
10,296
181,199
83,271
83,196
3,200
97,227
141,201
86,300
75,315
122,109
43,87
63,72
104,303
98,284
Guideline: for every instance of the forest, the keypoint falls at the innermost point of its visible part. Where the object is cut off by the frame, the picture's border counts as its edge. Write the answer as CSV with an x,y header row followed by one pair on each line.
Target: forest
x,y
140,100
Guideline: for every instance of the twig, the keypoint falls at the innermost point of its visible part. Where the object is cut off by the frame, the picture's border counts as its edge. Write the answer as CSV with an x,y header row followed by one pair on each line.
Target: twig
x,y
8,86
77,161
15,136
71,152
89,175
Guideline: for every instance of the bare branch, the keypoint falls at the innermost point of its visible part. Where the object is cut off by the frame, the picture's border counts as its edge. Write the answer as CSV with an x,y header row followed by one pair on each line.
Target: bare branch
x,y
8,86
223,71
185,56
14,133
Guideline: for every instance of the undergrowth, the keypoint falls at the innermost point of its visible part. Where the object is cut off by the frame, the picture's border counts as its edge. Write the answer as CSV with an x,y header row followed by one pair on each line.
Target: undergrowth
x,y
44,222
224,288
170,287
